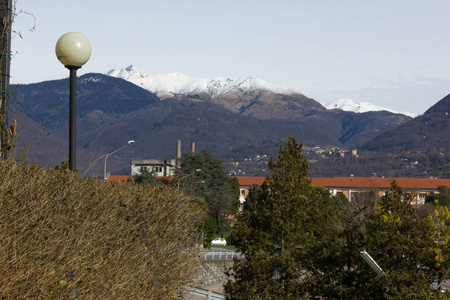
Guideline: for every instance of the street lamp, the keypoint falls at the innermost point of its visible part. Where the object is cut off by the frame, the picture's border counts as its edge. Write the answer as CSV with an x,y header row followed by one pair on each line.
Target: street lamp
x,y
73,50
372,263
128,143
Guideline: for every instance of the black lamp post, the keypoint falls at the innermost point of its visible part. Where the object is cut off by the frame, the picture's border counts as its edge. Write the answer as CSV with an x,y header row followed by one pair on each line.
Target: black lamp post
x,y
73,50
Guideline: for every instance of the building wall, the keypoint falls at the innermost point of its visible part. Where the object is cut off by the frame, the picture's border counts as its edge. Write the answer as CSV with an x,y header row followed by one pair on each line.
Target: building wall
x,y
155,166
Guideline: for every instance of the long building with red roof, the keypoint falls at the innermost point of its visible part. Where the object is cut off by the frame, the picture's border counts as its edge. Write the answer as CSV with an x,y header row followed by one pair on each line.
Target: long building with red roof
x,y
418,188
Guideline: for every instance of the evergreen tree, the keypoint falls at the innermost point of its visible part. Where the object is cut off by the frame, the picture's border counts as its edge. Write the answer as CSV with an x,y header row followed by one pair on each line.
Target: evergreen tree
x,y
277,232
214,183
235,192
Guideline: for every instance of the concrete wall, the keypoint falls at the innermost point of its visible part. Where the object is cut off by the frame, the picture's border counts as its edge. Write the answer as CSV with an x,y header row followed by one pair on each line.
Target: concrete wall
x,y
213,271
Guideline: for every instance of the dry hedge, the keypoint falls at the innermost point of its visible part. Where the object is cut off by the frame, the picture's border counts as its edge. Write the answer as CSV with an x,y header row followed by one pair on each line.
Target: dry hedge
x,y
63,236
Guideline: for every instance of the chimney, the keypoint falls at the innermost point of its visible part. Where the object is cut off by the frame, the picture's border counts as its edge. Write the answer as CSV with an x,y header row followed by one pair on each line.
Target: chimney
x,y
165,167
178,161
193,147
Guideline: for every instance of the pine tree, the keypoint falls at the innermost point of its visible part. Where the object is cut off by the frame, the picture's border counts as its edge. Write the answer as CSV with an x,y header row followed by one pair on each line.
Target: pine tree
x,y
277,233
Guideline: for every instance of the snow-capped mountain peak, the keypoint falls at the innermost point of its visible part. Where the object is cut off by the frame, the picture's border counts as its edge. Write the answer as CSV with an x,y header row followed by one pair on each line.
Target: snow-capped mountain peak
x,y
178,83
347,104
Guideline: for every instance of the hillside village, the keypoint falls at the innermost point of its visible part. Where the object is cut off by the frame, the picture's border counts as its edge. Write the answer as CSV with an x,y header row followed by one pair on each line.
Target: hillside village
x,y
324,161
257,165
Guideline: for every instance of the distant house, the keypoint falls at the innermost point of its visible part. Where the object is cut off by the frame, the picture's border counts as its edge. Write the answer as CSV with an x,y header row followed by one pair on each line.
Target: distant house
x,y
417,188
157,167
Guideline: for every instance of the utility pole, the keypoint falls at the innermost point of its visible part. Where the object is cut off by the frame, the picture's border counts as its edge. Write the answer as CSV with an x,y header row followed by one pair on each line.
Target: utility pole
x,y
5,63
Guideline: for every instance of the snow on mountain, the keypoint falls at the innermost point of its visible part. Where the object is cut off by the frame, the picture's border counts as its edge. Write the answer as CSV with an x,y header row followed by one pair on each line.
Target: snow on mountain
x,y
361,107
177,83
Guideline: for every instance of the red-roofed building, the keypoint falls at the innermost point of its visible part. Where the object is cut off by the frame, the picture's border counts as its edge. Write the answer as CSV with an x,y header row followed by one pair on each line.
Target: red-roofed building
x,y
348,186
418,188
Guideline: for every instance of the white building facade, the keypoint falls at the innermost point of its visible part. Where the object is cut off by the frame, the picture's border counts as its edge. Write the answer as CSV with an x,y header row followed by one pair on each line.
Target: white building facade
x,y
154,166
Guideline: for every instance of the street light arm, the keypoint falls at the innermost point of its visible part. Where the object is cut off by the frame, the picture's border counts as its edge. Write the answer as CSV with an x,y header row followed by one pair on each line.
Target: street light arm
x,y
178,184
106,157
115,151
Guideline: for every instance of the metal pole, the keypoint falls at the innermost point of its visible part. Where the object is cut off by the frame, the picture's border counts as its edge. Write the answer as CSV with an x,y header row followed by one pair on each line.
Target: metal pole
x,y
5,49
104,171
73,118
371,262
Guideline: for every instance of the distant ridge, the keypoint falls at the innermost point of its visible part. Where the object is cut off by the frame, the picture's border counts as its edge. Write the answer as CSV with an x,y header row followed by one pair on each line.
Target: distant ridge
x,y
428,131
347,104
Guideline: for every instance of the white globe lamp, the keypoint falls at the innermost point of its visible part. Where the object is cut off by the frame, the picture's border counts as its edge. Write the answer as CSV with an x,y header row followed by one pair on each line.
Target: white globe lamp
x,y
73,50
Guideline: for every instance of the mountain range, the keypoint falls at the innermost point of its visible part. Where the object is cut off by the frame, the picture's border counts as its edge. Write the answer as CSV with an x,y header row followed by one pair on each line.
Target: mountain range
x,y
177,83
173,84
255,97
230,117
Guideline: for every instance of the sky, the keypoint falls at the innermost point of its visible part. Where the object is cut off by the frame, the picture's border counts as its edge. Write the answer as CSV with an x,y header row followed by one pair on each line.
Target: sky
x,y
394,54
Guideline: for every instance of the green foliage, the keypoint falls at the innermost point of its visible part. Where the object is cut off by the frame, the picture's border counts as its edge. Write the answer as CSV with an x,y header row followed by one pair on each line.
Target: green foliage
x,y
212,172
277,232
63,166
252,197
235,189
209,230
214,183
145,177
65,236
298,242
441,198
400,242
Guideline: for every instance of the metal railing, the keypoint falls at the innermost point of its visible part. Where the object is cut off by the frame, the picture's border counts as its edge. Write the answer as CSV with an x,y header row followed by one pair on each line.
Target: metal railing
x,y
219,255
210,295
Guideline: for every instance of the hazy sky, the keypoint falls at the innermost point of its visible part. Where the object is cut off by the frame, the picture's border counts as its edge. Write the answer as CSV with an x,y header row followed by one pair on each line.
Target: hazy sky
x,y
390,53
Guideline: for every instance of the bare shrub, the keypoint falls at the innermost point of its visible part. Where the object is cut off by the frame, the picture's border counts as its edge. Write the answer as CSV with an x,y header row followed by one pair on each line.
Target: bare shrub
x,y
65,236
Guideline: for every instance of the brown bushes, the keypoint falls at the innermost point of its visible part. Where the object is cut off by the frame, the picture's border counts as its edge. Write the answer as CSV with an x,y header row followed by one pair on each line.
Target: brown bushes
x,y
65,237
